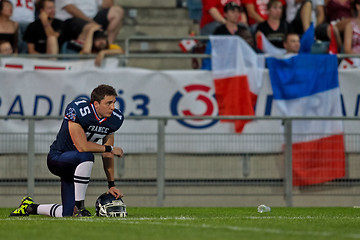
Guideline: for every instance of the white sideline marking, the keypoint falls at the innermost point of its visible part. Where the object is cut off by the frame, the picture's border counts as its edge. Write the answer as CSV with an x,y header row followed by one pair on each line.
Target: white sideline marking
x,y
181,219
247,229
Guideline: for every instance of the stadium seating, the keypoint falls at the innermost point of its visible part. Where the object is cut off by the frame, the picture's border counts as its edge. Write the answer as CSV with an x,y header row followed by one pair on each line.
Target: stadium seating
x,y
156,18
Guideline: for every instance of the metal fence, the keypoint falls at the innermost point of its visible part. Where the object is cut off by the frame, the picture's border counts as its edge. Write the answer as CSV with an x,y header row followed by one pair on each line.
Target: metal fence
x,y
128,54
162,172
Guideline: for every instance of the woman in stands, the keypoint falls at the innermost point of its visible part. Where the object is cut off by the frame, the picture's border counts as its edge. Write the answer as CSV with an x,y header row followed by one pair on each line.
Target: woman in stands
x,y
274,28
339,13
8,27
352,32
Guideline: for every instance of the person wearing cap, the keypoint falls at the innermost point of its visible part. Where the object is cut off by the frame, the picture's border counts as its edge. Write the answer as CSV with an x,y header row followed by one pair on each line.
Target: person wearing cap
x,y
96,42
213,15
232,13
42,35
232,27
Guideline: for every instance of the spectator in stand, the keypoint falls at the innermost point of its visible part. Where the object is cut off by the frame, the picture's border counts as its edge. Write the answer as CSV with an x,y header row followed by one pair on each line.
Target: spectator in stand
x,y
339,13
24,14
231,27
213,15
5,47
232,12
96,42
292,43
256,11
8,27
78,14
318,16
42,35
298,15
249,38
352,32
244,33
274,28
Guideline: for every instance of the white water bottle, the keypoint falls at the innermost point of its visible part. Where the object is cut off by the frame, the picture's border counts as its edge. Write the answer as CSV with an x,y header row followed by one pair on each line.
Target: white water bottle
x,y
263,208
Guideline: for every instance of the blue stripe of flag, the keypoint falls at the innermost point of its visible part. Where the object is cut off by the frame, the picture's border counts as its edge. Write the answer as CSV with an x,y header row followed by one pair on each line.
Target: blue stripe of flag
x,y
302,75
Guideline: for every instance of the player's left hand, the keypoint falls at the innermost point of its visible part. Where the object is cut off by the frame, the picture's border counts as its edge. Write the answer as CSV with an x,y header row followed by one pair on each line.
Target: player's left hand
x,y
116,192
117,151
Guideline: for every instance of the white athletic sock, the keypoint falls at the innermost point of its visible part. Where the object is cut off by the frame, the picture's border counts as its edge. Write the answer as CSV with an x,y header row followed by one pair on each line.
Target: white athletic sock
x,y
52,210
82,179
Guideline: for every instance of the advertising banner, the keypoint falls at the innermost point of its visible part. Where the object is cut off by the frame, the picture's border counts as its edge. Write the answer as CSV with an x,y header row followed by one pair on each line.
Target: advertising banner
x,y
28,91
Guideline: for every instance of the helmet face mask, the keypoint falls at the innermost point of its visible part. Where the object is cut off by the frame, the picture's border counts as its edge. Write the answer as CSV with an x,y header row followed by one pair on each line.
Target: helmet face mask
x,y
108,206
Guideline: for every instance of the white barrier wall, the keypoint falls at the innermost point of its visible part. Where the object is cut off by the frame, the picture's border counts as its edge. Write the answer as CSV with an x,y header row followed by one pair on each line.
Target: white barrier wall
x,y
32,91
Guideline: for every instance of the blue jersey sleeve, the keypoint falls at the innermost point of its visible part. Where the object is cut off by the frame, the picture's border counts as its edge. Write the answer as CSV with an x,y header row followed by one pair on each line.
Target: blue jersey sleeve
x,y
75,110
70,113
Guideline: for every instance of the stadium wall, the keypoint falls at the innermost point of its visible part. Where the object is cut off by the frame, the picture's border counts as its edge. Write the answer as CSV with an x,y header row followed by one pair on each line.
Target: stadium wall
x,y
204,166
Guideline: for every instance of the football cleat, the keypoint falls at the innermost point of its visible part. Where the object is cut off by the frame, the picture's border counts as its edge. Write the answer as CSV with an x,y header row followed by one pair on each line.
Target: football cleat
x,y
108,206
21,210
82,213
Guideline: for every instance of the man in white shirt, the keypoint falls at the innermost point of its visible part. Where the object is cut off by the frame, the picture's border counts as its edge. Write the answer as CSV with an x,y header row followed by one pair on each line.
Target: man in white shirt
x,y
102,12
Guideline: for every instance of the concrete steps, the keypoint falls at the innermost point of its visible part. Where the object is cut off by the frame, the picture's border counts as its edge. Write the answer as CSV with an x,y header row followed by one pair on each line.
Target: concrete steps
x,y
161,18
152,30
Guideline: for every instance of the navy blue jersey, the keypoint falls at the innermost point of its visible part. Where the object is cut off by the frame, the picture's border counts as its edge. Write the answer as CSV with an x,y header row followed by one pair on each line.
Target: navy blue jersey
x,y
95,128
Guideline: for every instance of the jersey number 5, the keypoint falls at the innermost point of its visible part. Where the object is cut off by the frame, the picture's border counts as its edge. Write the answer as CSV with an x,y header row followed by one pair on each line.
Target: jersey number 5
x,y
84,111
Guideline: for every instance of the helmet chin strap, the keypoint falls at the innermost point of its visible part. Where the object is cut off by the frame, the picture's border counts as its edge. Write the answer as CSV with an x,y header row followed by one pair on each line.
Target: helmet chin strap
x,y
117,214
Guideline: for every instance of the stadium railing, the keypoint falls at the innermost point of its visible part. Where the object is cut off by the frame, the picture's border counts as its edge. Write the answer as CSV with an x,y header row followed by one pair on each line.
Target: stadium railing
x,y
161,181
128,54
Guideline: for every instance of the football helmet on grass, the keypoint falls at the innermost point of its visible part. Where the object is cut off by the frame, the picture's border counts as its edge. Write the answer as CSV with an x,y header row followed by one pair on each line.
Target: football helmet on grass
x,y
108,206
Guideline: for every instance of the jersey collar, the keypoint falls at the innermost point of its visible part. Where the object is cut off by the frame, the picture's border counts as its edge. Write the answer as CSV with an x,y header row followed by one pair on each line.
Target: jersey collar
x,y
96,115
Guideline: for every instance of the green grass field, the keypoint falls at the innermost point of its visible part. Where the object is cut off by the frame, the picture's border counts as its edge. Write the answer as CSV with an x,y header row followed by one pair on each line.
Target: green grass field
x,y
191,223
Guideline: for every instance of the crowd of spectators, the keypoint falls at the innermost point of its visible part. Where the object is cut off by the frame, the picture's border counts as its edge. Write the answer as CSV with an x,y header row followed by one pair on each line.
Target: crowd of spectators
x,y
65,26
60,26
333,20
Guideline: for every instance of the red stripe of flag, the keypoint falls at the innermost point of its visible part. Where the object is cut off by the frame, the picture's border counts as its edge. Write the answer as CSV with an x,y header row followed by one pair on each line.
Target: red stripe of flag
x,y
234,99
318,161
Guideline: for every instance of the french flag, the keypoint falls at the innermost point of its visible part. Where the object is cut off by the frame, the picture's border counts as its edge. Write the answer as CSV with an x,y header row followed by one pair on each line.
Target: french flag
x,y
238,73
307,85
